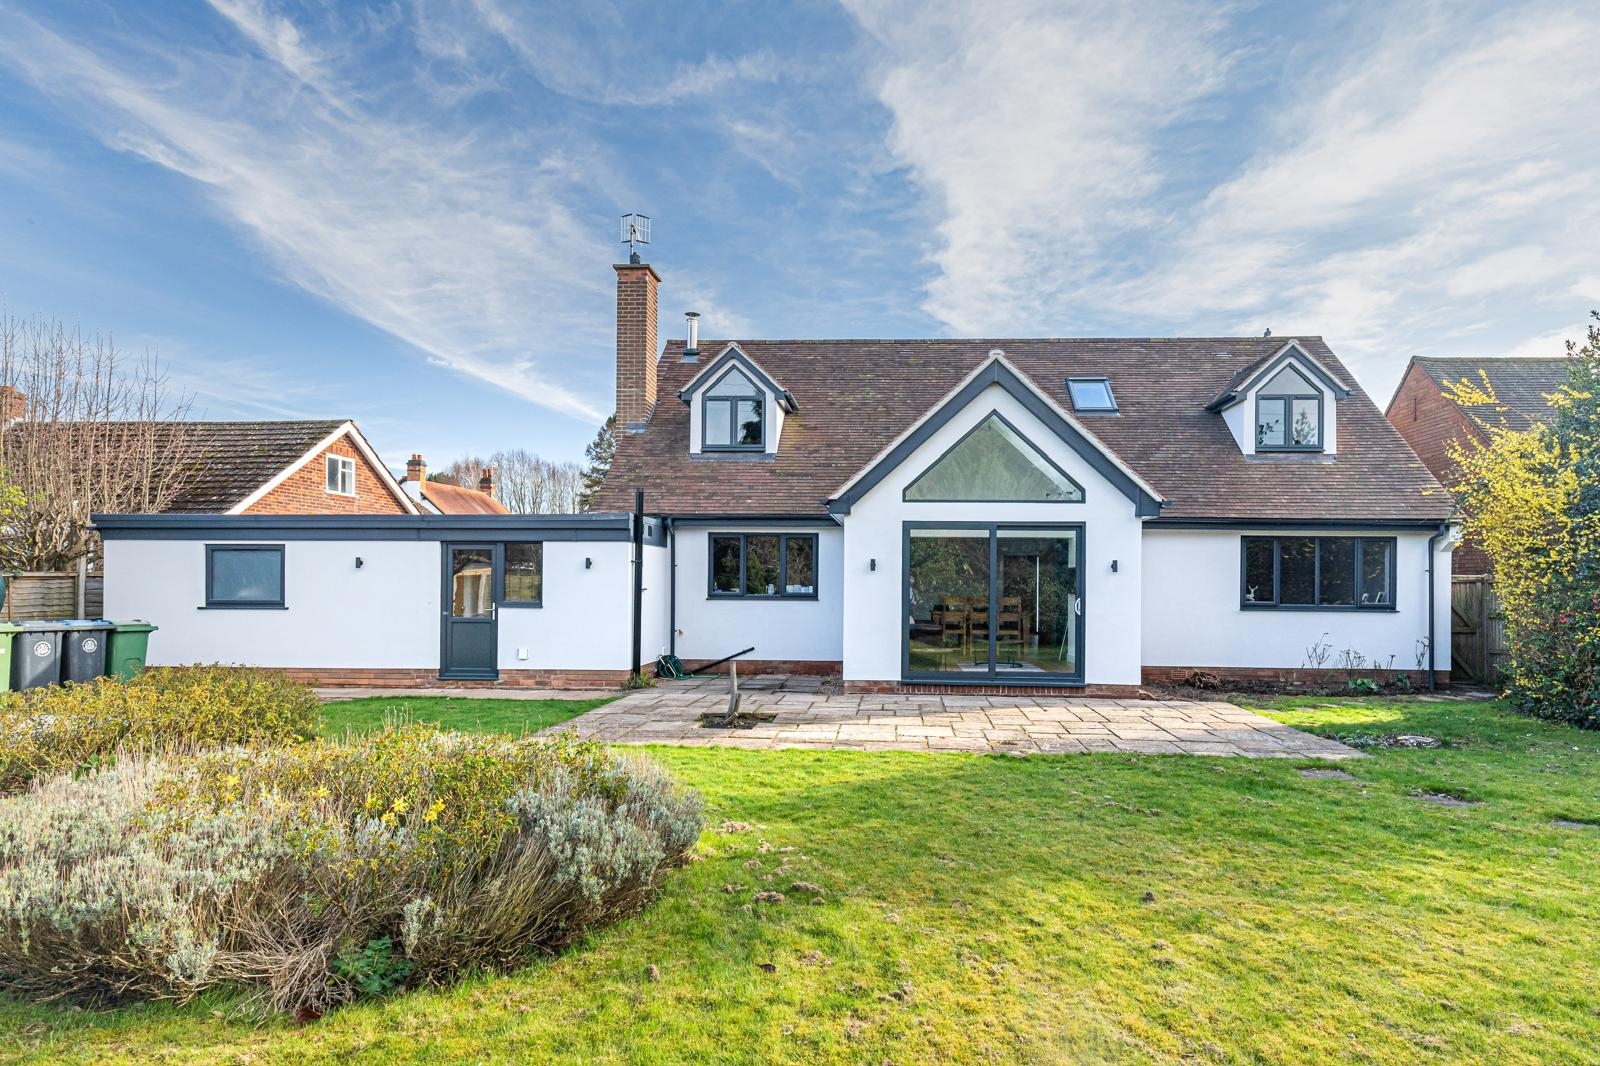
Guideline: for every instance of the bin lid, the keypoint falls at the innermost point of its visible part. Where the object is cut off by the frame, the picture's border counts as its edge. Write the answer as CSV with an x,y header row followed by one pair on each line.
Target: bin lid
x,y
41,625
11,627
134,626
85,623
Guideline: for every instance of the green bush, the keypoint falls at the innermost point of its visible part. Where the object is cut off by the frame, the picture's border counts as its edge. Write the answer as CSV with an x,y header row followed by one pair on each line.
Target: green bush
x,y
314,874
63,728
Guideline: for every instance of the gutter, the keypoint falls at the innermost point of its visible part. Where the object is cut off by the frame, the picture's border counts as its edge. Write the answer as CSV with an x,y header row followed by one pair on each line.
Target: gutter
x,y
1433,554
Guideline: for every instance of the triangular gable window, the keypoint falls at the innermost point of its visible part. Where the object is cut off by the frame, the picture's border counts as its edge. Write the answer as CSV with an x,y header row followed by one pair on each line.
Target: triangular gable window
x,y
994,464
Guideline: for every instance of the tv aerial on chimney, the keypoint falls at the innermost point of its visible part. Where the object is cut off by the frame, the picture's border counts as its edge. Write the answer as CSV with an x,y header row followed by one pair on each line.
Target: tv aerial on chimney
x,y
635,231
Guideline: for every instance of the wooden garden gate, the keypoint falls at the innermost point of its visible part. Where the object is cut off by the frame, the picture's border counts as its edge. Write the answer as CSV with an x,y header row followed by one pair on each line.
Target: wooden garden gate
x,y
1477,631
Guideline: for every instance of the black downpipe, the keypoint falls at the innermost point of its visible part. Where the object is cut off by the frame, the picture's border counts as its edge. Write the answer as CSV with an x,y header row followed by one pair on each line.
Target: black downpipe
x,y
672,588
1433,542
638,580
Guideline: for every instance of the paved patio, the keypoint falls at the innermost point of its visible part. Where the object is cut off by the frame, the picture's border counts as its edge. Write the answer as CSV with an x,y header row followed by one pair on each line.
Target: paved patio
x,y
807,717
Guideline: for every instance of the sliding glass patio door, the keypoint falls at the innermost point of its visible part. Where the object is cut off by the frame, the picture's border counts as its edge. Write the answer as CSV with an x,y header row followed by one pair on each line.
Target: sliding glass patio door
x,y
993,603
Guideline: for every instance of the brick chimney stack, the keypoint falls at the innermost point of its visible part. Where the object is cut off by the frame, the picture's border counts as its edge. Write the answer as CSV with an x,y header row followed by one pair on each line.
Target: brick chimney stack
x,y
416,469
636,344
13,405
486,481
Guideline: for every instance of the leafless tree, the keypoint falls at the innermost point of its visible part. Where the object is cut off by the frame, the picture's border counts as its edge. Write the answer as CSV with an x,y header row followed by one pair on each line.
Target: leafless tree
x,y
524,482
92,430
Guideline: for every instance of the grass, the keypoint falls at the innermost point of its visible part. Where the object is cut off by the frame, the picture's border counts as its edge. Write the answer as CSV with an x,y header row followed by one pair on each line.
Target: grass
x,y
496,716
1087,909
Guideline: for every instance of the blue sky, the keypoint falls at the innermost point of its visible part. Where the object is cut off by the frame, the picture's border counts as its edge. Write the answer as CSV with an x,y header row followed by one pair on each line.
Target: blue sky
x,y
406,212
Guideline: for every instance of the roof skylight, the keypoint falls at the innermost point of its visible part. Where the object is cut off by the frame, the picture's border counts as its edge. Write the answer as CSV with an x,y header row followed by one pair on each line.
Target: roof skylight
x,y
1091,396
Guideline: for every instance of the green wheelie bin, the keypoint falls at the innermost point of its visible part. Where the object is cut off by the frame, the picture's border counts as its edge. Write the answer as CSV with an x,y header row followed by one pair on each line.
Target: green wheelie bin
x,y
8,631
130,641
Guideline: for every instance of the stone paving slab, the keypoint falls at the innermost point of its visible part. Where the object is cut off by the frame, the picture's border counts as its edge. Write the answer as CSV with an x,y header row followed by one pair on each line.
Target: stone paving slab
x,y
1016,725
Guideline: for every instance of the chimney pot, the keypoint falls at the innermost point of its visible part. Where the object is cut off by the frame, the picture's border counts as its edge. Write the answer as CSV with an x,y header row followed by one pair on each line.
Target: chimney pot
x,y
486,481
416,469
691,349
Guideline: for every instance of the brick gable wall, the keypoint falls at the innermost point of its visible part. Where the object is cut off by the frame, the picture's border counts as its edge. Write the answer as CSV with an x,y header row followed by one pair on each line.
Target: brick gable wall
x,y
306,492
1431,422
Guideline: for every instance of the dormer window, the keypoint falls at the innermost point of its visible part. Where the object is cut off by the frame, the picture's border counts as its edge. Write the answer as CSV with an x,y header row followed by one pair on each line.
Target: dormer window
x,y
1288,414
734,417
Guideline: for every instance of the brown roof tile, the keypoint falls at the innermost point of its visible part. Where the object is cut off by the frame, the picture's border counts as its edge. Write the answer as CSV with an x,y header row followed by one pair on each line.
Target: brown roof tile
x,y
453,499
1522,385
856,396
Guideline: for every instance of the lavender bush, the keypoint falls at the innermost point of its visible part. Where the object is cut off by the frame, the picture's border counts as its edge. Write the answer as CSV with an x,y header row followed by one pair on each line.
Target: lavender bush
x,y
317,873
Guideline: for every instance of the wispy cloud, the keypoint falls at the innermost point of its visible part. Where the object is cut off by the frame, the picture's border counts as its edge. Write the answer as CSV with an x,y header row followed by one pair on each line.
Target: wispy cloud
x,y
1032,128
598,53
1394,196
460,244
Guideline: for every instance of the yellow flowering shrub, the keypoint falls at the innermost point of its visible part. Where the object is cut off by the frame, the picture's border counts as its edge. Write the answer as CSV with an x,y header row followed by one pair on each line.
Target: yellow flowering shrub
x,y
46,730
1532,500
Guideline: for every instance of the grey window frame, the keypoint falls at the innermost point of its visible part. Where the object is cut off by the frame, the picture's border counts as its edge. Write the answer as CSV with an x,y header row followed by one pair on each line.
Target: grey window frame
x,y
212,603
1072,397
733,401
1288,399
1361,542
713,593
328,465
500,575
992,676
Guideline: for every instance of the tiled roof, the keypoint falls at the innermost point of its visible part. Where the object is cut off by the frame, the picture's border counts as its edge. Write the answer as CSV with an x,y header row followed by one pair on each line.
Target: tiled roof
x,y
453,499
856,396
228,460
237,458
1522,385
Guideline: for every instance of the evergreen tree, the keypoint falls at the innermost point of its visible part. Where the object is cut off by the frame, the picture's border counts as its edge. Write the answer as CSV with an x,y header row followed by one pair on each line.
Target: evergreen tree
x,y
598,456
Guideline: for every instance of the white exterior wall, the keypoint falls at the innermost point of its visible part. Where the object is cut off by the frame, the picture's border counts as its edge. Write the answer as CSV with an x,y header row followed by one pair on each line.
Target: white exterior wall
x,y
874,622
585,621
1192,616
386,614
799,630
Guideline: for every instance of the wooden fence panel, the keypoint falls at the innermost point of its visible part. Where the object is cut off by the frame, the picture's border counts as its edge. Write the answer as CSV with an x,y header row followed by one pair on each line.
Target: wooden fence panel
x,y
1477,631
49,595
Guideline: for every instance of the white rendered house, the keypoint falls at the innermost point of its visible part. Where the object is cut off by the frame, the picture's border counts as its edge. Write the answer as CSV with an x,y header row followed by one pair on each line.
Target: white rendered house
x,y
1091,515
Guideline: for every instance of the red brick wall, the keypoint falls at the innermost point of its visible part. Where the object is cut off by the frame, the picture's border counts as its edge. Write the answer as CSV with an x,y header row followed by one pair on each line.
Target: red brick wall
x,y
636,343
384,677
1431,422
306,490
1286,677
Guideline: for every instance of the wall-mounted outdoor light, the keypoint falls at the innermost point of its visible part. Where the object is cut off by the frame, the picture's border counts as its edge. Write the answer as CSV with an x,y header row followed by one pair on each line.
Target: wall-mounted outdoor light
x,y
360,562
588,564
1113,566
872,564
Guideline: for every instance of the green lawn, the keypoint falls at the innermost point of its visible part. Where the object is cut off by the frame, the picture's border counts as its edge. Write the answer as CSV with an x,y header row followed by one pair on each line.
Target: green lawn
x,y
500,716
1083,909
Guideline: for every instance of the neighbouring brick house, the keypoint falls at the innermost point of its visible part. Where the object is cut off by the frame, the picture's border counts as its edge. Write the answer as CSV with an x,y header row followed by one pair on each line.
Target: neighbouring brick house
x,y
322,466
1433,423
287,467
